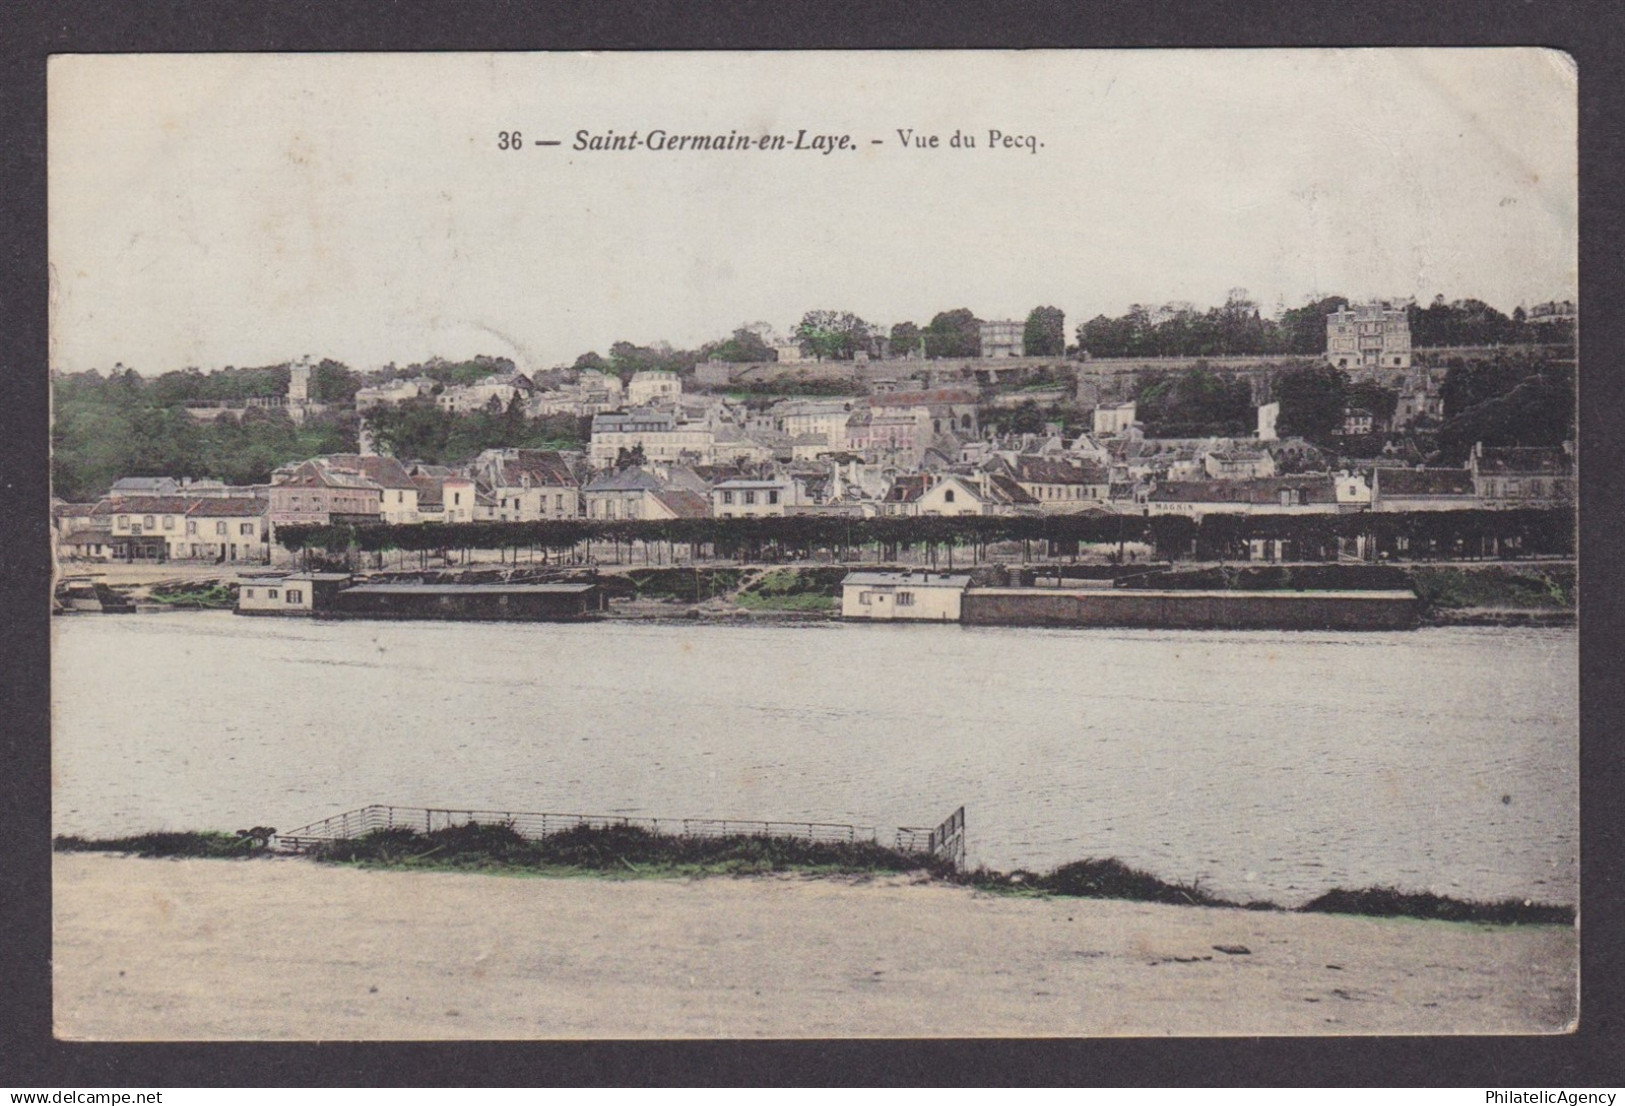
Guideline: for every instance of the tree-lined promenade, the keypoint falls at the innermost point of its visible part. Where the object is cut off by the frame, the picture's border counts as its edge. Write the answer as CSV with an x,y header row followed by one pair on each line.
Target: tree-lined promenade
x,y
1415,535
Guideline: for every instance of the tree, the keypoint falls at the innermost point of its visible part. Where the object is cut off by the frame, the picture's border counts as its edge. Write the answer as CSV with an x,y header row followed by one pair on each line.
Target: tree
x,y
956,333
1312,400
1303,329
629,458
1045,333
334,384
833,335
744,345
591,362
906,339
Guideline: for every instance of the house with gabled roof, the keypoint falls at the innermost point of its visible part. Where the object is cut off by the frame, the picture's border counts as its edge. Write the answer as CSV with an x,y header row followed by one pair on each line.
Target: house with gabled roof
x,y
1523,476
1061,486
398,499
527,485
183,528
315,494
979,494
638,493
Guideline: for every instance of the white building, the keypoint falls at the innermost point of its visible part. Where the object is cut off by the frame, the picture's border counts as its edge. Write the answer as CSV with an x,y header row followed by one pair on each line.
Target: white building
x,y
1352,490
662,437
1369,335
740,498
900,596
1004,338
653,387
1113,419
1268,415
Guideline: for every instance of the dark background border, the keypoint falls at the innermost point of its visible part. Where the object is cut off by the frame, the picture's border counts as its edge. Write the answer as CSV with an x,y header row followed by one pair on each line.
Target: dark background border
x,y
29,1058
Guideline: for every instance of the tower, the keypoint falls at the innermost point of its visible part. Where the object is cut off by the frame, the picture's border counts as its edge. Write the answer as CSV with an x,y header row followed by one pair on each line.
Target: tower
x,y
299,383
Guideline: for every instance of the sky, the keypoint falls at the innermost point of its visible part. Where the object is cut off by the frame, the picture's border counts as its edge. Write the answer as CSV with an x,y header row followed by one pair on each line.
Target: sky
x,y
214,210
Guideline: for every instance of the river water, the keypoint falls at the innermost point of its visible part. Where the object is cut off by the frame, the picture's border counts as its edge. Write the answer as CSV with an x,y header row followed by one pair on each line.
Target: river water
x,y
1266,765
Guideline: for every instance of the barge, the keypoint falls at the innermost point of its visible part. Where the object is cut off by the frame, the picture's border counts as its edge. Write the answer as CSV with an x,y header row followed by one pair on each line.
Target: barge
x,y
944,597
334,595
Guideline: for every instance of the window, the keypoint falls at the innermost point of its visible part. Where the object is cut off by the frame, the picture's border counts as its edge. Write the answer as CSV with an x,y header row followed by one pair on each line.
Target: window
x,y
123,521
295,595
248,593
191,526
400,497
146,522
220,528
773,496
271,593
728,497
750,498
246,528
948,496
169,522
866,598
905,599
457,499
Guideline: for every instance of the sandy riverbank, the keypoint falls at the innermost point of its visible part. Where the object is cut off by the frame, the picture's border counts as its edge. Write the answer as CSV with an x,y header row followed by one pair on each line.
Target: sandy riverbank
x,y
289,949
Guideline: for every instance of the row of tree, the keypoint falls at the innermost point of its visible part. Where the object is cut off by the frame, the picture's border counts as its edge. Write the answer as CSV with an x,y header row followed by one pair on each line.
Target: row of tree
x,y
1418,534
830,335
1239,329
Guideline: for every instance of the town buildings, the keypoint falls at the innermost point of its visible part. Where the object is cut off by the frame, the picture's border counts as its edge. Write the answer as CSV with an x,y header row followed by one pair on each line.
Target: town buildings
x,y
493,392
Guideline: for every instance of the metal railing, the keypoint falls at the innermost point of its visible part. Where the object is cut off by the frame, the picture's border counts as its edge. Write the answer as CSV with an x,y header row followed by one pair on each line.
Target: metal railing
x,y
947,840
535,824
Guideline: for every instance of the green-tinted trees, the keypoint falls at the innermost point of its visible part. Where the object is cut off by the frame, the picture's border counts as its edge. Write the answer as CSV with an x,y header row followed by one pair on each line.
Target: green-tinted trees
x,y
1045,332
833,335
956,333
906,339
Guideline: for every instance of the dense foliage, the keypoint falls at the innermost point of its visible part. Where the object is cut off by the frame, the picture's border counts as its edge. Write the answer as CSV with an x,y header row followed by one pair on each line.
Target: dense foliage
x,y
422,431
1506,401
107,427
1194,403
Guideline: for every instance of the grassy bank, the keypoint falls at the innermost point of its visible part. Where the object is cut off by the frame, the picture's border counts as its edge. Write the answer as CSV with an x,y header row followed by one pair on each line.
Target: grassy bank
x,y
625,852
208,595
1501,587
794,589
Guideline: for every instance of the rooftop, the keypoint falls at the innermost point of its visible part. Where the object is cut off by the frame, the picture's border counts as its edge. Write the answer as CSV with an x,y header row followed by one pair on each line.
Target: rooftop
x,y
909,579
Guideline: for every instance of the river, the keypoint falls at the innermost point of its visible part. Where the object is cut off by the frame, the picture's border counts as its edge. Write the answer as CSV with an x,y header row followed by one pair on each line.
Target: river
x,y
1265,765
